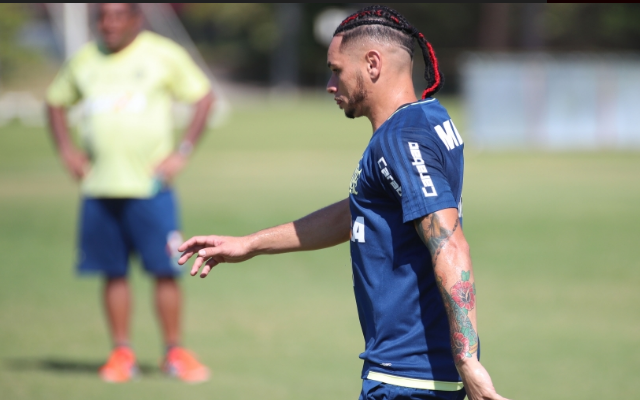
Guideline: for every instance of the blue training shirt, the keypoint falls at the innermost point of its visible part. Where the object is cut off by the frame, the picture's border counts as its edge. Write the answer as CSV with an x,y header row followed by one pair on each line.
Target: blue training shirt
x,y
412,167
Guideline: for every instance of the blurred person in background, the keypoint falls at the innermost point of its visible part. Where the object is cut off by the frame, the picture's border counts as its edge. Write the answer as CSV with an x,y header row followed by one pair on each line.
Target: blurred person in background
x,y
127,80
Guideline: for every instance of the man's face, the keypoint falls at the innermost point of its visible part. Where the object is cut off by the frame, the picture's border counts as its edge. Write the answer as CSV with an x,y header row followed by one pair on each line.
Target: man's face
x,y
118,25
346,82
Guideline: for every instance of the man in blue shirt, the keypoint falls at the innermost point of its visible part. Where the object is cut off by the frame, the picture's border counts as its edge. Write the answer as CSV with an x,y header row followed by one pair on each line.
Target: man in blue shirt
x,y
413,279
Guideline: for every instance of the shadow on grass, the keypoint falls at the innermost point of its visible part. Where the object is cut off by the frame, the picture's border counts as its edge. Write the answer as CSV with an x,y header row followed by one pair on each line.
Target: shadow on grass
x,y
63,366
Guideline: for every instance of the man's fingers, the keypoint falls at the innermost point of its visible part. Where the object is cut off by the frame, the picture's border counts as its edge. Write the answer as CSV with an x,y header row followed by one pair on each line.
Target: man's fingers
x,y
185,257
196,265
188,253
208,252
206,263
188,244
205,271
208,266
195,241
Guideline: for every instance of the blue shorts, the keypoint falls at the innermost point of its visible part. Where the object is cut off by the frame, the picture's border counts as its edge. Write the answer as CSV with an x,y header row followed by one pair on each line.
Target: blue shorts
x,y
111,229
374,390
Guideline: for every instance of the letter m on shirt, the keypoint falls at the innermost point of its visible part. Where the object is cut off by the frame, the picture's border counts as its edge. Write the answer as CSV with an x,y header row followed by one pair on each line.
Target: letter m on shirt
x,y
449,135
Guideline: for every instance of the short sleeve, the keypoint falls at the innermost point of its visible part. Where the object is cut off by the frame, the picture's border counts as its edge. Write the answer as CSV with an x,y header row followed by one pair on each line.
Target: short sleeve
x,y
419,163
63,91
187,83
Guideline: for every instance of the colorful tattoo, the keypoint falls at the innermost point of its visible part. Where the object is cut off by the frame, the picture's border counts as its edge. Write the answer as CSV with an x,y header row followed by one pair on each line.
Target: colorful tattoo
x,y
464,339
463,293
461,297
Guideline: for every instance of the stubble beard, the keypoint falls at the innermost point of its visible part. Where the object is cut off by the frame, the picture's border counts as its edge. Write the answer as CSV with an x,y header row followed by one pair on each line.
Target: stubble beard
x,y
358,97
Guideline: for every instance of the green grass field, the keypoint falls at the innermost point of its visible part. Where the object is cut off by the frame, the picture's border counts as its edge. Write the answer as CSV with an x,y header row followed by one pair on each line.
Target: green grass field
x,y
554,239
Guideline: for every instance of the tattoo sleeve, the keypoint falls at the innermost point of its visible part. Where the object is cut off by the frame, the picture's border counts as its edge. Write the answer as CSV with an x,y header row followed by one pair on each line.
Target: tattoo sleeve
x,y
435,236
459,299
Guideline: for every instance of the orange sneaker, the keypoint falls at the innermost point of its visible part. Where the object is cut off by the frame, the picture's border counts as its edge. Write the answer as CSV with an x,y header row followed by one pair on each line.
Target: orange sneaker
x,y
120,367
182,364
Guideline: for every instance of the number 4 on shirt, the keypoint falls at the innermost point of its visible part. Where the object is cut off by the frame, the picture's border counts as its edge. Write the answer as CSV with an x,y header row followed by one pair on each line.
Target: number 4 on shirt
x,y
357,232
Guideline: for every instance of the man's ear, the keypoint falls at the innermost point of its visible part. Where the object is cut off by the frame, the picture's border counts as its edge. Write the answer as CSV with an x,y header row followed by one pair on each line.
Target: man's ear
x,y
374,64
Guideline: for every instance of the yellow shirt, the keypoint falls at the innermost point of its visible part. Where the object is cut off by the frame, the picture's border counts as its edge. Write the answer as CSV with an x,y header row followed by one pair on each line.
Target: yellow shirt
x,y
127,128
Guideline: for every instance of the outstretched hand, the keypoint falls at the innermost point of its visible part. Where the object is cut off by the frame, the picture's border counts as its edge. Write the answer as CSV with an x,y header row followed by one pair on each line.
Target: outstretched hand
x,y
213,250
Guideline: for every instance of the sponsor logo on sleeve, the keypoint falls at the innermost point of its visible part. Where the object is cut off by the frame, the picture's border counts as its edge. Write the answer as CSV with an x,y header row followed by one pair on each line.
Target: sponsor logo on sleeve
x,y
382,163
428,188
449,135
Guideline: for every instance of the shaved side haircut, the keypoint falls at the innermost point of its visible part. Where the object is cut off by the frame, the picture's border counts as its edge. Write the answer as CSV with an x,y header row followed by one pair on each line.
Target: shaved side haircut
x,y
379,34
385,25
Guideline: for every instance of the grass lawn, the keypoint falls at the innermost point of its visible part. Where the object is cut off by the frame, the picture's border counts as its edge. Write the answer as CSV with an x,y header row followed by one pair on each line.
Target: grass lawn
x,y
553,238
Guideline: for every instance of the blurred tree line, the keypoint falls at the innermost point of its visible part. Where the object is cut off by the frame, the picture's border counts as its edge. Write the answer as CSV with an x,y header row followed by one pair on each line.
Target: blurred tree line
x,y
241,40
263,43
13,16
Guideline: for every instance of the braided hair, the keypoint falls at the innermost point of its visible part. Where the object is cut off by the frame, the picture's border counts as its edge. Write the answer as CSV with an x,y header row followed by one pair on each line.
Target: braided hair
x,y
387,24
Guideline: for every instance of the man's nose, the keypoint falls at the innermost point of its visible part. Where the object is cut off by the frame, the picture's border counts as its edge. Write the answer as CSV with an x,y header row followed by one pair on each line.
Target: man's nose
x,y
332,85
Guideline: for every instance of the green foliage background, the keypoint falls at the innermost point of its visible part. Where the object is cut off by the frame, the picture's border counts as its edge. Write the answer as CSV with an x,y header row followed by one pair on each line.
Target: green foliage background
x,y
553,239
12,56
238,38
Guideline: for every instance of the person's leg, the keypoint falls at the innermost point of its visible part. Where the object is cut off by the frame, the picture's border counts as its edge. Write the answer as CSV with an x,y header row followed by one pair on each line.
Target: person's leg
x,y
168,301
153,227
121,365
117,303
104,249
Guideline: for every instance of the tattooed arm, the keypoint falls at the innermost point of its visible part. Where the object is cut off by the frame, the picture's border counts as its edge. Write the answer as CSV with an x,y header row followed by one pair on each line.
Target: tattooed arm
x,y
442,234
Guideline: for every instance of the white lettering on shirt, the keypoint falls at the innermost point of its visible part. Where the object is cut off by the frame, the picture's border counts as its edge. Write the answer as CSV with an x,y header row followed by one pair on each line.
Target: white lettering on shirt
x,y
382,163
357,232
428,188
449,135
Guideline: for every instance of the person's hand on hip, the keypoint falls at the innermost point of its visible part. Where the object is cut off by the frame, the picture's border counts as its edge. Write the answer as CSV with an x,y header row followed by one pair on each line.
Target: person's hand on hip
x,y
171,166
76,162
